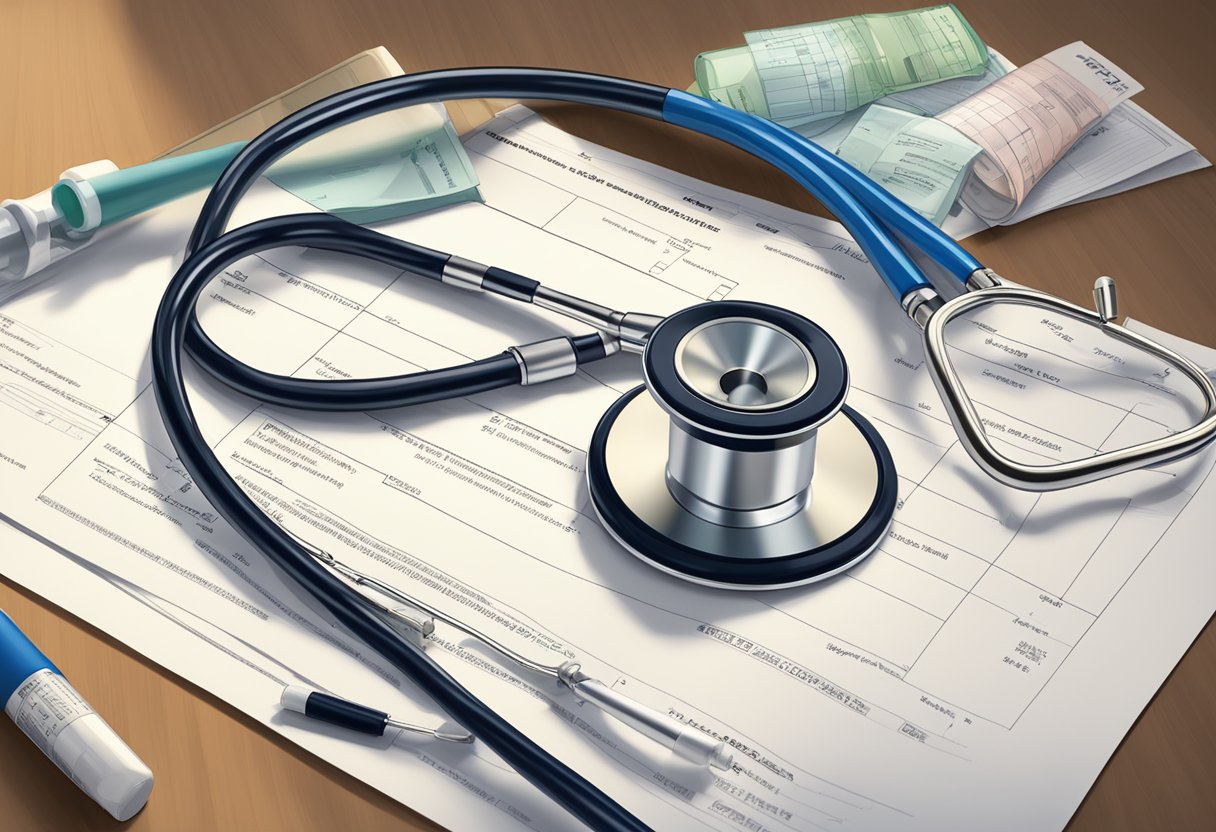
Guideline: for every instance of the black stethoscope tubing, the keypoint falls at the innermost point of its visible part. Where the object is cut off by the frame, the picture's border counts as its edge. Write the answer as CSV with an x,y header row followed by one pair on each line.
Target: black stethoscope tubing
x,y
210,250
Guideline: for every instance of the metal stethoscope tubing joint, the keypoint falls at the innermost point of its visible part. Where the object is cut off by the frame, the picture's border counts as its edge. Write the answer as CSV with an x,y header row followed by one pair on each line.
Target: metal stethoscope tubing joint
x,y
746,533
416,622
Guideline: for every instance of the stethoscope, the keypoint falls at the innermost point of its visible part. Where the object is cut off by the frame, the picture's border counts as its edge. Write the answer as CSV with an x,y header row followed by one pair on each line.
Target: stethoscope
x,y
737,463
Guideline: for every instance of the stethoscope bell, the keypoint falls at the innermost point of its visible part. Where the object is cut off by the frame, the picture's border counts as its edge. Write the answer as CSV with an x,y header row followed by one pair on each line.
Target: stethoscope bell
x,y
737,464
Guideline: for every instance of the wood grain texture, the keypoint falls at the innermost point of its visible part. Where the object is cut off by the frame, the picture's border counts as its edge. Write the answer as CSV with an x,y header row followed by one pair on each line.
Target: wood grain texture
x,y
86,80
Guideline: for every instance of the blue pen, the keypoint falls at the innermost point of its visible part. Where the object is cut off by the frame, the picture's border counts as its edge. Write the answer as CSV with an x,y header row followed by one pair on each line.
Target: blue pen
x,y
58,720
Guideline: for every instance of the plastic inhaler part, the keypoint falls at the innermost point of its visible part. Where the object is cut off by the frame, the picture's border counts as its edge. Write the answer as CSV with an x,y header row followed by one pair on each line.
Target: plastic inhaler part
x,y
12,241
58,720
101,200
33,234
325,707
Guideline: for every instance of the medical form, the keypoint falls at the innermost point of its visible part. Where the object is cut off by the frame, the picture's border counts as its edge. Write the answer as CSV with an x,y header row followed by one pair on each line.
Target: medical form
x,y
918,159
939,685
1027,120
821,70
1126,149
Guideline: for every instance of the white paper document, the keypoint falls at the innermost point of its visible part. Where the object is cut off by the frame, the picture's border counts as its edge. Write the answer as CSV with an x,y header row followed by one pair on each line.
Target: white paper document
x,y
975,673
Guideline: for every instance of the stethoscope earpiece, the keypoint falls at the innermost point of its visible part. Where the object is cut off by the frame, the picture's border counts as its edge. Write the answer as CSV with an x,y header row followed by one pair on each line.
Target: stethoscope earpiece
x,y
987,289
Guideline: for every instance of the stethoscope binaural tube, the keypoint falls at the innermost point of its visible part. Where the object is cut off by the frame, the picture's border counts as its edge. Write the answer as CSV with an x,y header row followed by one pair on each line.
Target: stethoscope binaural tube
x,y
874,218
210,250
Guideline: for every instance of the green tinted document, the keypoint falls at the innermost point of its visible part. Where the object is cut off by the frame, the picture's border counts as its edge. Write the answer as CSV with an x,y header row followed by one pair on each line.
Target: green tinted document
x,y
918,159
800,74
729,77
383,167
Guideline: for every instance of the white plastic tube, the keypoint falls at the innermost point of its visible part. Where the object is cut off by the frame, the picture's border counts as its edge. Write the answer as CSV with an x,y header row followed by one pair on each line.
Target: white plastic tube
x,y
56,718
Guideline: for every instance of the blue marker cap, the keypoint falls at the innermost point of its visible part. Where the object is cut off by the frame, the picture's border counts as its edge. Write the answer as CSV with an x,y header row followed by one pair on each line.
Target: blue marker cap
x,y
18,658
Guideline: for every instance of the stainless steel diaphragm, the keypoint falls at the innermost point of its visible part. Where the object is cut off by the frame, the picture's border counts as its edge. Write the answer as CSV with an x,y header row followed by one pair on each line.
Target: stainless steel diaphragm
x,y
737,463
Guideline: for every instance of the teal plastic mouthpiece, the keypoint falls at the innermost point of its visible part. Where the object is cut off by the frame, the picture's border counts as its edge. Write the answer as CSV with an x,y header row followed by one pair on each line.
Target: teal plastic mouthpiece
x,y
88,204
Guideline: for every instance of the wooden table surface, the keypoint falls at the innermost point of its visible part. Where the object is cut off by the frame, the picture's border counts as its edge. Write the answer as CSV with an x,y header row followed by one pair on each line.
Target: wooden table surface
x,y
127,80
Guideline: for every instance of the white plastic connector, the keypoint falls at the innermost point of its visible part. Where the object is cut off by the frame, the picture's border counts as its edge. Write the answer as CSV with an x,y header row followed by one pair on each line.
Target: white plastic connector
x,y
32,234
295,698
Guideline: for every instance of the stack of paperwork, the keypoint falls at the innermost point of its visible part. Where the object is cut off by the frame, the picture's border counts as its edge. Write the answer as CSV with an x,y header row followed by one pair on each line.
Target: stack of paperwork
x,y
975,673
965,140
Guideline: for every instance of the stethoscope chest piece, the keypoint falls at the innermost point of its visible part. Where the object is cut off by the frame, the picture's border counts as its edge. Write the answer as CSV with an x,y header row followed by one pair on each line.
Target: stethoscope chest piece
x,y
737,464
